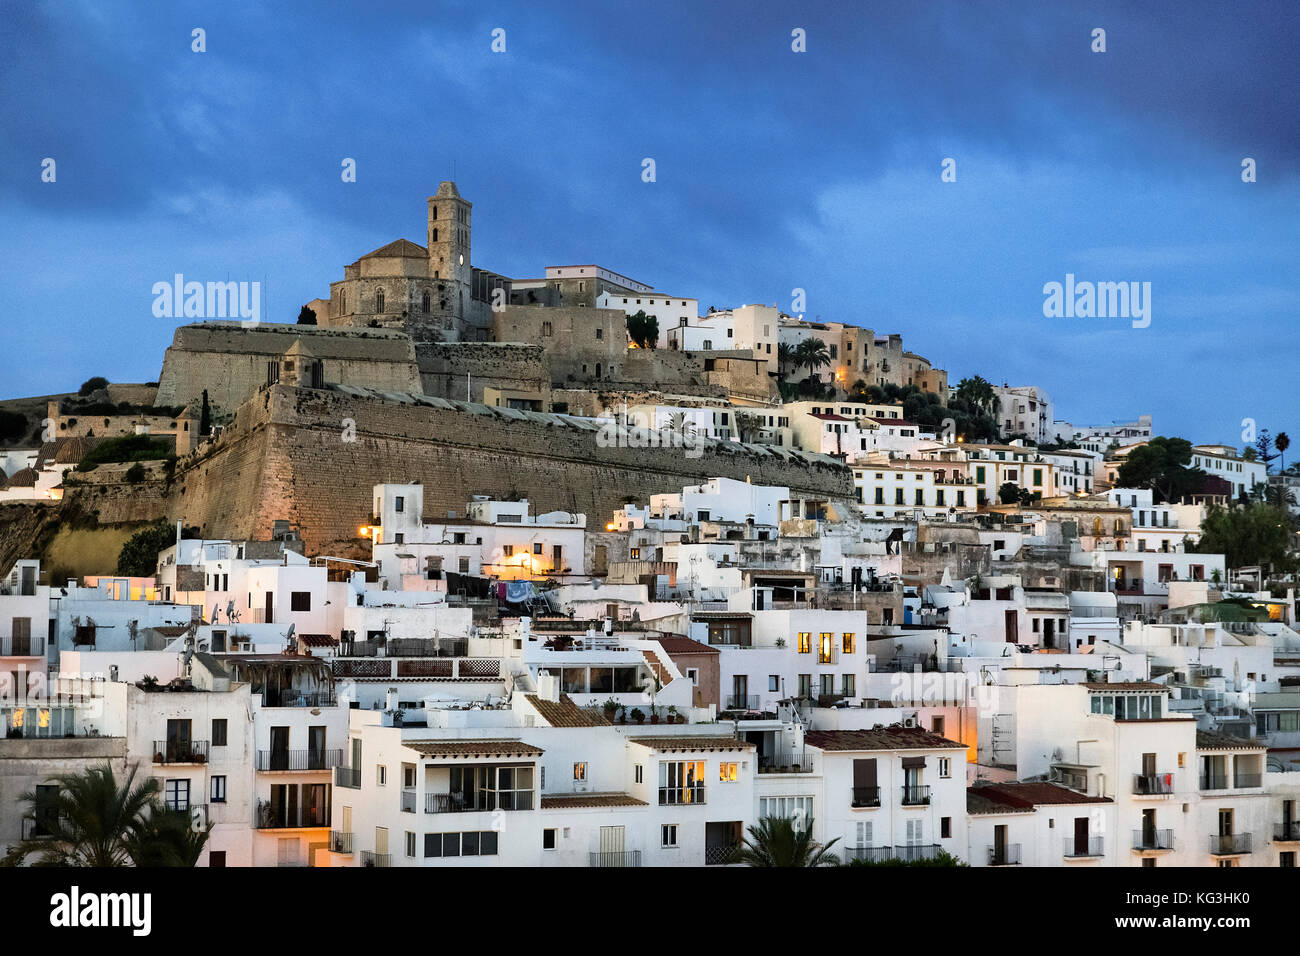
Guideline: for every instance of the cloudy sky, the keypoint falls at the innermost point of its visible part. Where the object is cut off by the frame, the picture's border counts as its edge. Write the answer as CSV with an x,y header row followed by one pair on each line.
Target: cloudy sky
x,y
775,170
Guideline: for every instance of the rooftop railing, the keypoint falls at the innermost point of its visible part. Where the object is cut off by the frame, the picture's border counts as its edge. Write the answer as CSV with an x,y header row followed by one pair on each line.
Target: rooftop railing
x,y
180,751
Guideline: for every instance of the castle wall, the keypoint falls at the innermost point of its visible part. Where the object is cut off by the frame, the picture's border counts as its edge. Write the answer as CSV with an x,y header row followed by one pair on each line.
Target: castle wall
x,y
488,364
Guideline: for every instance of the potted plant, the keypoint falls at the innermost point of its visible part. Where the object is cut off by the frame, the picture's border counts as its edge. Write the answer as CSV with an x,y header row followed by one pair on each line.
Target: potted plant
x,y
780,642
654,716
158,757
673,716
622,715
611,708
638,715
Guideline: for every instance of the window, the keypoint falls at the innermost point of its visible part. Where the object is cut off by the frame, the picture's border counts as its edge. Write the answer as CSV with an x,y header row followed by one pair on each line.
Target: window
x,y
217,858
473,843
774,683
945,828
410,844
219,733
508,550
381,775
176,794
681,781
634,554
537,547
847,645
548,838
805,642
399,505
728,771
936,726
640,773
693,674
945,766
379,300
463,565
668,835
580,771
849,683
898,495
824,648
300,601
786,807
218,790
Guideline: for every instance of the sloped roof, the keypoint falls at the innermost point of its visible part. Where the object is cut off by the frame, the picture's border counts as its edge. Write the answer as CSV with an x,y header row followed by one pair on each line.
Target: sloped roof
x,y
23,478
565,713
676,644
574,801
1214,740
1008,797
398,249
895,737
685,742
473,748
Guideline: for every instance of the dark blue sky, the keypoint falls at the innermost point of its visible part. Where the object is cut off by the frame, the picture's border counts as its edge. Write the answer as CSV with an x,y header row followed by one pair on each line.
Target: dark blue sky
x,y
775,170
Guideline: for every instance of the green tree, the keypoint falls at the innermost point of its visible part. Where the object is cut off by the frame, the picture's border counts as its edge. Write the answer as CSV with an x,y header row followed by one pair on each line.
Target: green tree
x,y
941,859
1161,465
1009,493
1282,442
306,316
139,556
784,359
978,393
93,822
643,329
811,354
166,838
1255,534
92,385
777,841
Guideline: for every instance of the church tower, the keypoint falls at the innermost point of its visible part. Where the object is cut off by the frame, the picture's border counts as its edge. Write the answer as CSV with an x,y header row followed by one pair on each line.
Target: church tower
x,y
449,252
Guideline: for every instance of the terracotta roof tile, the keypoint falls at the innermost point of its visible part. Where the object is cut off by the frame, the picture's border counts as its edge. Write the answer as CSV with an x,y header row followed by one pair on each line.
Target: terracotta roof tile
x,y
1010,797
1213,740
687,742
895,737
1127,685
565,713
684,645
573,801
473,748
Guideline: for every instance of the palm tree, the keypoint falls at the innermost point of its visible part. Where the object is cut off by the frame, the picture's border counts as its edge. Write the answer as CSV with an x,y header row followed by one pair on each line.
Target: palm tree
x,y
1282,442
167,838
776,841
784,359
811,354
93,822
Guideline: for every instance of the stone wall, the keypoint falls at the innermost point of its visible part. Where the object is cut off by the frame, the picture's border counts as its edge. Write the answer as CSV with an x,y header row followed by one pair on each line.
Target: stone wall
x,y
285,456
504,365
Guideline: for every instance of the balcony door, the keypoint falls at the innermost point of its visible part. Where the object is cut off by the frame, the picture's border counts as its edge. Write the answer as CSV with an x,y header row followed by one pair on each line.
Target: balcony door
x,y
1225,823
269,613
279,748
1000,842
611,839
739,690
315,805
178,739
1080,836
316,748
1148,828
1012,628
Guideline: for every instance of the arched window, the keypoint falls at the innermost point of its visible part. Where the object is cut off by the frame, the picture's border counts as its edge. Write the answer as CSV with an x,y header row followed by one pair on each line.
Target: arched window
x,y
343,301
424,302
435,235
379,300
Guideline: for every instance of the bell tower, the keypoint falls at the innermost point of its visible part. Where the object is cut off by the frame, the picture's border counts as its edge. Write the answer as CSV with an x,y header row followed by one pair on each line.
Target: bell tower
x,y
449,252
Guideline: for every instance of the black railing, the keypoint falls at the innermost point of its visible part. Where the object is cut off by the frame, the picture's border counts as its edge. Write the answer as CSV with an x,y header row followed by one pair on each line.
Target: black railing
x,y
786,763
275,816
916,796
1083,846
180,751
456,803
1287,831
672,796
349,777
40,826
1148,785
872,854
722,855
615,858
916,851
866,796
1007,855
1232,843
340,842
1147,839
371,858
742,702
294,699
300,760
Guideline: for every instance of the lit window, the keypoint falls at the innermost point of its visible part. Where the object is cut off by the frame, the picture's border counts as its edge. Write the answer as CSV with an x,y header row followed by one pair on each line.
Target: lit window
x,y
848,644
824,648
805,642
580,771
728,772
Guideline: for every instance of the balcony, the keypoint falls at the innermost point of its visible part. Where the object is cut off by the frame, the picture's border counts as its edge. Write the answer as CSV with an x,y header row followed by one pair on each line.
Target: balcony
x,y
456,803
1083,847
408,801
11,646
1008,855
349,777
1146,839
869,854
866,797
180,751
1241,781
1126,586
1286,832
371,858
742,702
272,761
785,763
615,858
39,827
294,699
340,842
916,796
275,816
1232,844
1153,785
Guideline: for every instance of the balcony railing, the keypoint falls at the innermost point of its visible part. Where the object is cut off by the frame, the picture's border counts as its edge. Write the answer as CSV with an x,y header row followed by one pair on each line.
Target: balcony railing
x,y
615,858
673,796
909,852
340,842
371,858
408,801
916,796
1230,845
866,796
1150,785
349,777
1153,839
1239,781
1008,855
294,699
274,816
872,854
1214,781
1286,832
742,702
40,826
1246,780
298,760
180,751
786,763
721,855
1076,847
11,646
456,803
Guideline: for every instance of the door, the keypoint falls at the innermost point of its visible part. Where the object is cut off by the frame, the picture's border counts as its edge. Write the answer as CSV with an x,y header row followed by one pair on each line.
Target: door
x,y
381,840
316,748
315,810
356,756
1225,823
1000,843
739,690
1148,828
178,740
865,790
557,557
269,614
279,749
611,846
1012,628
1049,633
1080,836
347,820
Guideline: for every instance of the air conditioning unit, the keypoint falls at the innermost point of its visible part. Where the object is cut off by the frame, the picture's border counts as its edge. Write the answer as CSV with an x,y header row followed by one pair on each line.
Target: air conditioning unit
x,y
910,722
